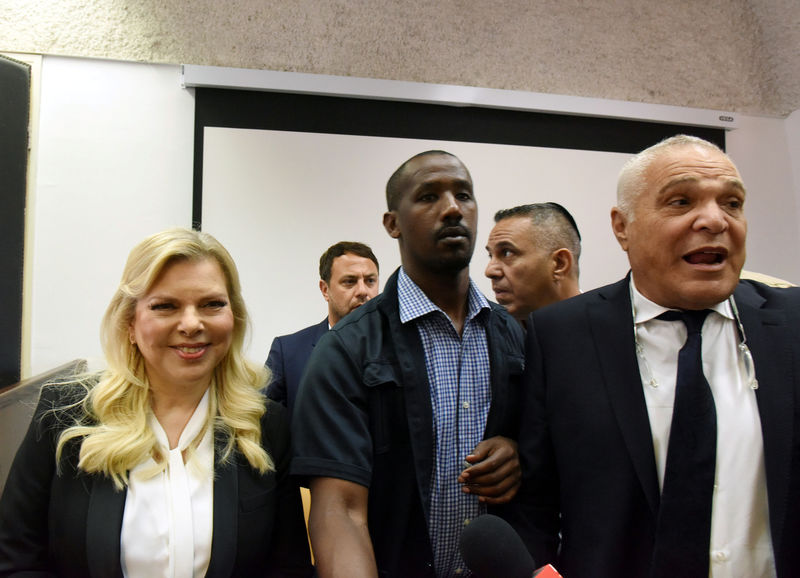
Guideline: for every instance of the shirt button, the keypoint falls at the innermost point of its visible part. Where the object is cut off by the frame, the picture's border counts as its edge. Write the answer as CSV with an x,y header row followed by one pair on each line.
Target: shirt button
x,y
459,570
467,521
720,556
465,405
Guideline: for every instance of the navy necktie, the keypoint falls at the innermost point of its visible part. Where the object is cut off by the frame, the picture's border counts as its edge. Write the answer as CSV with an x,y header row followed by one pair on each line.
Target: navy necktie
x,y
683,532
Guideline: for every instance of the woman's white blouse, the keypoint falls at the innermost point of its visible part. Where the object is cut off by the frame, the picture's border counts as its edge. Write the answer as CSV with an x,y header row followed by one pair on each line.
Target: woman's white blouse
x,y
168,518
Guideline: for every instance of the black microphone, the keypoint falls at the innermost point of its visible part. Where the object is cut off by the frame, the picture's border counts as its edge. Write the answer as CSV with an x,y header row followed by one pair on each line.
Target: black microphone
x,y
492,549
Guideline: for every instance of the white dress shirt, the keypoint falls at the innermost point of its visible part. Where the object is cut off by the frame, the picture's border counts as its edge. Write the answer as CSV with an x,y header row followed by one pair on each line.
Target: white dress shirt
x,y
740,535
168,518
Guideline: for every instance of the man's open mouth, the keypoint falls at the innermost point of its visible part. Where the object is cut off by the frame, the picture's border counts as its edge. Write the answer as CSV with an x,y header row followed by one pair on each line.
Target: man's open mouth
x,y
706,257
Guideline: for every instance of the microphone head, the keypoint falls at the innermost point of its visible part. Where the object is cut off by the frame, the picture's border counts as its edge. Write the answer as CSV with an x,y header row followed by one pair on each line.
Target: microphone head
x,y
492,549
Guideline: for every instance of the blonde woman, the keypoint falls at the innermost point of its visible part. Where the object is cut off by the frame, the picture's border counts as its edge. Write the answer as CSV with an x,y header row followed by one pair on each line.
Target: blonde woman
x,y
170,462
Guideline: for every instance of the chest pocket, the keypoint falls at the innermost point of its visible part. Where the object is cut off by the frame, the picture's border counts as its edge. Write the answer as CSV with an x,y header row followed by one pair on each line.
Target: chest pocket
x,y
387,415
515,367
507,402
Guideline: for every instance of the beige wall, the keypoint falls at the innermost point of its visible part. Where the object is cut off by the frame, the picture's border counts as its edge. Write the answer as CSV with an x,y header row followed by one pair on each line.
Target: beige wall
x,y
737,55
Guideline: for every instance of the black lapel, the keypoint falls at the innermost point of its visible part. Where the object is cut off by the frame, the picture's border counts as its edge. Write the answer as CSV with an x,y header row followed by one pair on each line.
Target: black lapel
x,y
611,324
104,527
322,329
497,377
226,521
770,341
502,358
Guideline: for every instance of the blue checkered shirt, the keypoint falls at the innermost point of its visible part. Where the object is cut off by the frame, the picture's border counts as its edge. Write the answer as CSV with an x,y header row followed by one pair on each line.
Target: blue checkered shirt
x,y
459,378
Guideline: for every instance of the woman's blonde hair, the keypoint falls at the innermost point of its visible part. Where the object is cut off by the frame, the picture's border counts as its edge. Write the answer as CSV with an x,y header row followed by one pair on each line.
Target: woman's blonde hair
x,y
113,432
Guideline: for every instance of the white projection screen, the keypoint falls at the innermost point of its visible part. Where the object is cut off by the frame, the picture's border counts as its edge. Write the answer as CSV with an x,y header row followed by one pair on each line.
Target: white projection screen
x,y
278,198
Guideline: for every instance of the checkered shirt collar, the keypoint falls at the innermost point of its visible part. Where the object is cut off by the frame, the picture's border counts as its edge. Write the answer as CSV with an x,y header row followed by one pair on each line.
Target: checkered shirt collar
x,y
415,304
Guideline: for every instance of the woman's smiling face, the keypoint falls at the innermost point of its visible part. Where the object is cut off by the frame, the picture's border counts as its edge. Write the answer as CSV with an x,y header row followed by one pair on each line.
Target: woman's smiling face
x,y
183,325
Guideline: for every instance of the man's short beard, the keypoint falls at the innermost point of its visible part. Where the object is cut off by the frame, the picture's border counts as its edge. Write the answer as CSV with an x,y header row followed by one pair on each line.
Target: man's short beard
x,y
454,263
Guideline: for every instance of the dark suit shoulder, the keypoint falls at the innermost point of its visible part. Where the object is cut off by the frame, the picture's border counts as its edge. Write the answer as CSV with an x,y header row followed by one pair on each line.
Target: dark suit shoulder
x,y
59,394
756,291
61,405
304,334
575,307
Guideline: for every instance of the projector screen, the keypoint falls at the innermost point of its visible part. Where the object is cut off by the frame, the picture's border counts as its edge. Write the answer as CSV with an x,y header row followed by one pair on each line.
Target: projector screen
x,y
278,198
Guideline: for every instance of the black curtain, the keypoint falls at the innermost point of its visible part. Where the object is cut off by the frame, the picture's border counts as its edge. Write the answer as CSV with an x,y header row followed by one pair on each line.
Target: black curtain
x,y
15,81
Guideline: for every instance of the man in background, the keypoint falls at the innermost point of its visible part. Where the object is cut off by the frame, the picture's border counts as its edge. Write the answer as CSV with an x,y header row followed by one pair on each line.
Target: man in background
x,y
533,257
348,278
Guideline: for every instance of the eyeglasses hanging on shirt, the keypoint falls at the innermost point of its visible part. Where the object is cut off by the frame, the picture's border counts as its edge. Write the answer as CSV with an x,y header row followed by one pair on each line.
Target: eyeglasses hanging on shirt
x,y
743,349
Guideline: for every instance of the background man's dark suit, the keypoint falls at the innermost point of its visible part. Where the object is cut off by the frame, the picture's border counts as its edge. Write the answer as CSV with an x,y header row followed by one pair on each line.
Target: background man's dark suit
x,y
287,360
586,445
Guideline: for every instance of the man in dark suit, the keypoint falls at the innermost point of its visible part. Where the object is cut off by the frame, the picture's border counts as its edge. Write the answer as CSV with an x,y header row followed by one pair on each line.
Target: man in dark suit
x,y
607,372
348,278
